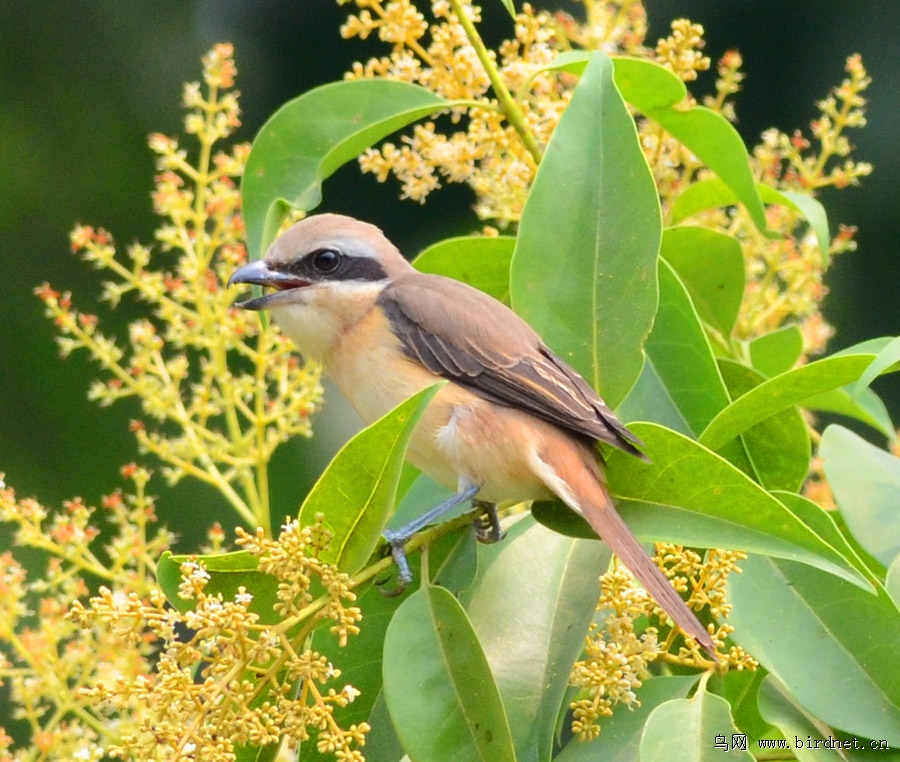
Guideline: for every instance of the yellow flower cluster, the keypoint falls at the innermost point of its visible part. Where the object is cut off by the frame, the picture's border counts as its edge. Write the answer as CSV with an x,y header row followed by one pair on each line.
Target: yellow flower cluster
x,y
680,52
222,678
46,657
785,275
294,559
613,26
616,658
219,392
490,153
119,676
511,105
126,675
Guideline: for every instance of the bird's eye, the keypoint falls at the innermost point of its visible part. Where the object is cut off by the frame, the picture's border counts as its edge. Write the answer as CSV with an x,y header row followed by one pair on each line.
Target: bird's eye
x,y
326,261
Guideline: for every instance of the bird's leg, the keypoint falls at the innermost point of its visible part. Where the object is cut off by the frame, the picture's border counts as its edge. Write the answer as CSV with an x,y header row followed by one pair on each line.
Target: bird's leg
x,y
487,524
397,538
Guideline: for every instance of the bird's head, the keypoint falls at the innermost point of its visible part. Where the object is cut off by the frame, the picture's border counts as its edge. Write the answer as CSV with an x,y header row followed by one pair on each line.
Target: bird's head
x,y
326,271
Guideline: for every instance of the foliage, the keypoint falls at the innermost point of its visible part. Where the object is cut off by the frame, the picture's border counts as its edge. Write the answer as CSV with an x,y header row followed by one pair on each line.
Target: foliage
x,y
679,273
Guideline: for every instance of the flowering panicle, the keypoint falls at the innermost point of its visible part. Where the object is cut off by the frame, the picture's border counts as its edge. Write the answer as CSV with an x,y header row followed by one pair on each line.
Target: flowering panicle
x,y
126,675
616,657
118,676
294,559
219,392
493,155
613,26
490,154
680,52
222,677
47,658
785,275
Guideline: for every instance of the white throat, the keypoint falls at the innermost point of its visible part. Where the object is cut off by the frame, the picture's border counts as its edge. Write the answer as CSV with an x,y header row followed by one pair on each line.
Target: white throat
x,y
321,314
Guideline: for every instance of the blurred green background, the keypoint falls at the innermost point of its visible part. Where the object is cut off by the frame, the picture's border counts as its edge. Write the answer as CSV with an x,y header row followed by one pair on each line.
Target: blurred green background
x,y
83,83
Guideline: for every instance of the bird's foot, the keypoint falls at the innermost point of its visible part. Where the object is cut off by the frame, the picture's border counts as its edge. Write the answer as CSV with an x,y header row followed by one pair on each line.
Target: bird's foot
x,y
397,538
397,544
487,524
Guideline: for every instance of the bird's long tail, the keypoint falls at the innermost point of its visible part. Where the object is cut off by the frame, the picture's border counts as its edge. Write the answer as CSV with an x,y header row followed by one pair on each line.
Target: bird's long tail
x,y
576,479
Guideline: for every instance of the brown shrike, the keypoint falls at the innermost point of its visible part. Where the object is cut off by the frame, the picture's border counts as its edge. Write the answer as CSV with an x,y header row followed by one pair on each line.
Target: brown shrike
x,y
515,422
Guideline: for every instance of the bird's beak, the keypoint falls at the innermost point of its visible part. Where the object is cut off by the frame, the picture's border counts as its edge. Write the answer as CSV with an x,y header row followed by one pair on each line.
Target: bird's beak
x,y
258,273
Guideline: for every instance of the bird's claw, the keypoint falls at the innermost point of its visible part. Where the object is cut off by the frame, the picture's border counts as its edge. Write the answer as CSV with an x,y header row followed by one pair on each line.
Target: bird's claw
x,y
397,545
487,523
487,530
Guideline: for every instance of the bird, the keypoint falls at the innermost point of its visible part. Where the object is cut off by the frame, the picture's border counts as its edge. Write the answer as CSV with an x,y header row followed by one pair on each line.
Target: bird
x,y
513,422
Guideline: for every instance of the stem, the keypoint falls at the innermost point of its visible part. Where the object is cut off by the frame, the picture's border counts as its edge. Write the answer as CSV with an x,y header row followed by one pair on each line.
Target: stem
x,y
511,108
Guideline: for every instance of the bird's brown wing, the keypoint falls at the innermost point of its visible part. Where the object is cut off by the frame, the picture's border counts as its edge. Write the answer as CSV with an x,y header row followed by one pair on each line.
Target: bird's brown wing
x,y
462,334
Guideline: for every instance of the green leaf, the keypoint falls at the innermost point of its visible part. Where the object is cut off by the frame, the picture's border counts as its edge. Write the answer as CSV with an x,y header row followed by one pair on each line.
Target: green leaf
x,y
477,260
823,523
647,85
382,744
807,206
228,572
308,138
716,142
708,134
712,193
620,736
782,392
639,80
740,688
778,447
711,266
778,351
254,753
778,707
865,481
867,408
886,359
584,269
832,645
678,349
691,730
168,575
570,61
700,196
356,492
510,8
650,400
892,581
690,495
868,347
533,626
443,701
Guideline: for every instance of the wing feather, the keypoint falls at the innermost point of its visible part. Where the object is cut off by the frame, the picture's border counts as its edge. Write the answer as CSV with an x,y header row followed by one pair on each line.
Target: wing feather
x,y
462,334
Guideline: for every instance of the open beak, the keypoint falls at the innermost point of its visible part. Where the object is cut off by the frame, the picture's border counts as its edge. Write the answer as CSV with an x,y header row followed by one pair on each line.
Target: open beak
x,y
258,273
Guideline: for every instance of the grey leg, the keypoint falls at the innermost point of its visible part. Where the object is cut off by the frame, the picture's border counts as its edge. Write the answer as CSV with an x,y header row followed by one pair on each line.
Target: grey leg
x,y
397,538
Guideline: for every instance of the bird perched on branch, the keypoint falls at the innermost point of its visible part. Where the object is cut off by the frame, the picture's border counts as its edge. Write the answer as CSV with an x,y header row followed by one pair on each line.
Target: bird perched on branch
x,y
515,422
